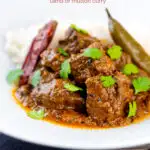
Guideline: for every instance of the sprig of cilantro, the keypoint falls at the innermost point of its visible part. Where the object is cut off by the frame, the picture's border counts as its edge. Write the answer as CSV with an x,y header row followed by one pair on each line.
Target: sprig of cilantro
x,y
141,84
36,78
93,53
73,26
38,115
132,109
114,52
130,69
72,88
63,52
65,69
107,81
14,75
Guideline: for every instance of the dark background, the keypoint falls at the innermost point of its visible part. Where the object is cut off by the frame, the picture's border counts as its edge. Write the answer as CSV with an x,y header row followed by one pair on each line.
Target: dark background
x,y
8,143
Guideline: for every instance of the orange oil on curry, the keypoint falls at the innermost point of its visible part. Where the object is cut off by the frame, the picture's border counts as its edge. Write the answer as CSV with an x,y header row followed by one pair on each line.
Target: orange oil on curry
x,y
71,125
52,119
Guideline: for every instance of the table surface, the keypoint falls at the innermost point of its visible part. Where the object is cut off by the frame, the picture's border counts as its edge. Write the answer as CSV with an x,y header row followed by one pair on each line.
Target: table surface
x,y
8,143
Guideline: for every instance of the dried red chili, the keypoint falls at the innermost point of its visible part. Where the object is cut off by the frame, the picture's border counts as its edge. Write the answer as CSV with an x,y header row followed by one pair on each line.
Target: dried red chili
x,y
39,44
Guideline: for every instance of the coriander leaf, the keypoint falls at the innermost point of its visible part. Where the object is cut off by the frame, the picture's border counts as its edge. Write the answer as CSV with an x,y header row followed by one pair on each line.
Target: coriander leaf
x,y
83,31
65,69
93,53
130,69
14,75
107,81
62,51
141,84
132,109
73,26
72,87
36,114
36,78
115,52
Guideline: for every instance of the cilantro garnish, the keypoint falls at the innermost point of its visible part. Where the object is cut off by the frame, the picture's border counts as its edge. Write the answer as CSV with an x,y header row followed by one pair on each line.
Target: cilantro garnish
x,y
73,26
14,75
36,78
36,114
132,109
114,52
141,84
93,53
72,87
130,69
63,52
65,69
107,81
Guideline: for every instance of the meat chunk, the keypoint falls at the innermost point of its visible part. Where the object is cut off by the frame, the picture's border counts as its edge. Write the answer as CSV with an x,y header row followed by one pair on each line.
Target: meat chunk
x,y
50,58
23,92
107,105
104,65
46,76
83,67
75,41
124,59
54,95
143,103
23,95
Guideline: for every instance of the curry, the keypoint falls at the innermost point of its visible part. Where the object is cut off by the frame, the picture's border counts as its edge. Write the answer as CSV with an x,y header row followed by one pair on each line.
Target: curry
x,y
85,82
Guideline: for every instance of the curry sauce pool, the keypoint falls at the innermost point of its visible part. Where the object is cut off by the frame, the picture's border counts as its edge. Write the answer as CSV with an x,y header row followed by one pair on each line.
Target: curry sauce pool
x,y
65,122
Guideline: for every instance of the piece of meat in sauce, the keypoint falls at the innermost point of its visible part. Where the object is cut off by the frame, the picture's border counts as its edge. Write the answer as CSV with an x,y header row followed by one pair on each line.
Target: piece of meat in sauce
x,y
23,92
23,95
107,105
75,41
54,95
143,98
122,61
72,44
46,76
51,58
83,67
143,104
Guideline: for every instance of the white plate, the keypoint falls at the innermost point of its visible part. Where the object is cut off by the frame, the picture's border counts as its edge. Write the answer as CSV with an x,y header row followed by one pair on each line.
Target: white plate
x,y
13,120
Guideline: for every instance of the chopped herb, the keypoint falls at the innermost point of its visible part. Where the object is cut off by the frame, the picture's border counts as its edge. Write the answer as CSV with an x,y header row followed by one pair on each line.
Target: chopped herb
x,y
38,115
65,69
93,53
130,69
132,109
36,78
14,75
72,87
62,51
141,84
107,81
115,52
83,31
73,26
